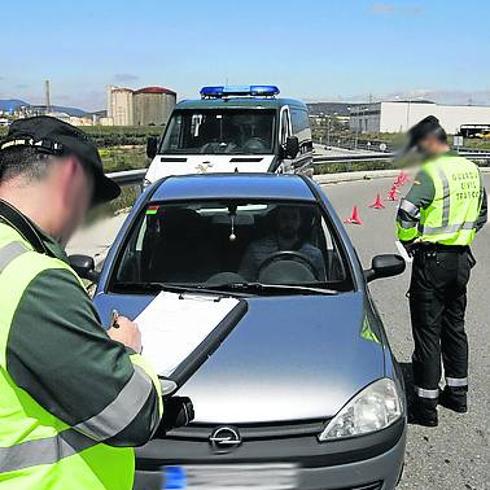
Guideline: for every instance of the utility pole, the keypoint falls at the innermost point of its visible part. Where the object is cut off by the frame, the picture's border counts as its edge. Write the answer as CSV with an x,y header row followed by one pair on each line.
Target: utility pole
x,y
328,129
48,96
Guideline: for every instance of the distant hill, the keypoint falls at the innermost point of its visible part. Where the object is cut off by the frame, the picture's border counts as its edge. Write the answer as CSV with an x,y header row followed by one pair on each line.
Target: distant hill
x,y
72,111
10,105
330,108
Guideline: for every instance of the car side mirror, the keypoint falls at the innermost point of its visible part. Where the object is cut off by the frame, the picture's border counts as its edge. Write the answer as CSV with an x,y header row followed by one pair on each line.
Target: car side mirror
x,y
152,147
292,147
387,265
84,266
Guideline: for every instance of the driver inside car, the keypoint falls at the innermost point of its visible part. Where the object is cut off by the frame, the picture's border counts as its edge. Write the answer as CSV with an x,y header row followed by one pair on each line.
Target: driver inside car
x,y
286,237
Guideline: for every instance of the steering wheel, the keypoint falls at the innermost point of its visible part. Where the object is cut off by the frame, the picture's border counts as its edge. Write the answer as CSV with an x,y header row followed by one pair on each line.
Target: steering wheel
x,y
211,147
291,256
256,144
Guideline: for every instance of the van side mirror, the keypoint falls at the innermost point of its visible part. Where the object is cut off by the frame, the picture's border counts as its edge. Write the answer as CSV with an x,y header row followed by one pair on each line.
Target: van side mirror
x,y
152,147
292,147
84,266
387,265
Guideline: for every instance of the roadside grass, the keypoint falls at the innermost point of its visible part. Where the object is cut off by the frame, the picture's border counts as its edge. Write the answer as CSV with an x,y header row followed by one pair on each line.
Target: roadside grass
x,y
119,158
124,202
331,168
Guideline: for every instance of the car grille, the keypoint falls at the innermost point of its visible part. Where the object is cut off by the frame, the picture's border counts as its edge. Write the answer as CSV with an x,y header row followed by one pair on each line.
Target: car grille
x,y
201,432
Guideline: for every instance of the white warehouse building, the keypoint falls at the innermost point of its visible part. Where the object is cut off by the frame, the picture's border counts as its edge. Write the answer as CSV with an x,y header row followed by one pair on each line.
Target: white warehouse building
x,y
394,117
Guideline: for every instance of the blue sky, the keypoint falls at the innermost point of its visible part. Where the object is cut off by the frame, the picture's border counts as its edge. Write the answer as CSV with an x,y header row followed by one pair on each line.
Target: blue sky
x,y
316,50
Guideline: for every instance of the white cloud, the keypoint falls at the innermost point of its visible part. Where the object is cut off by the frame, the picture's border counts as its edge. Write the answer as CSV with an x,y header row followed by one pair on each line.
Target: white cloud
x,y
441,96
444,96
382,8
125,77
387,8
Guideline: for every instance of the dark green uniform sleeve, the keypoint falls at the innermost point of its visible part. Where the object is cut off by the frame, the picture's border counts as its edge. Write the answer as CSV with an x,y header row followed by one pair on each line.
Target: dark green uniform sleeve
x,y
419,197
483,217
422,192
59,353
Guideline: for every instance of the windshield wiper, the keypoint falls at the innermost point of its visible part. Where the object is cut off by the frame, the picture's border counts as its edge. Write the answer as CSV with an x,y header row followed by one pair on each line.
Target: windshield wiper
x,y
161,286
259,287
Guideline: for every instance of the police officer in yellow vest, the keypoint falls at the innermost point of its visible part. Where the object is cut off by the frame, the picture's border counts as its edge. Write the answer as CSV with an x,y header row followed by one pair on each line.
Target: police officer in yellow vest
x,y
74,398
437,222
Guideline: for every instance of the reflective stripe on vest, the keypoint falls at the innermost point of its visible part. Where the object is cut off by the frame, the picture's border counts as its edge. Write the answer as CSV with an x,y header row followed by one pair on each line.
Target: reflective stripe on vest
x,y
36,446
452,216
43,451
427,230
10,252
112,420
446,200
121,411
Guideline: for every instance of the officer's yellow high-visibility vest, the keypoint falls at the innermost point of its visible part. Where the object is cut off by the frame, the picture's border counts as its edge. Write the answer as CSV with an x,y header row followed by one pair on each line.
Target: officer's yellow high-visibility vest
x,y
38,450
452,216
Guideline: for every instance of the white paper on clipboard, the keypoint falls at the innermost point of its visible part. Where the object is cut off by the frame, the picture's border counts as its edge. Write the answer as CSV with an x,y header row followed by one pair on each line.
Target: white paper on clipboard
x,y
173,325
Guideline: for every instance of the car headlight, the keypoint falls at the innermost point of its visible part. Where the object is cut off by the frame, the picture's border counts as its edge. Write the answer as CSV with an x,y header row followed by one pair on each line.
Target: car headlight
x,y
372,409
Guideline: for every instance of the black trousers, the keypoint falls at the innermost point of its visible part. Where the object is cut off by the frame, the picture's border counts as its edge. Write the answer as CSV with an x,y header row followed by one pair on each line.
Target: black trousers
x,y
437,306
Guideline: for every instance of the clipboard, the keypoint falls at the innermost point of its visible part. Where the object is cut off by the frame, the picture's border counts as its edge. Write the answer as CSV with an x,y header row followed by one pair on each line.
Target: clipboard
x,y
214,319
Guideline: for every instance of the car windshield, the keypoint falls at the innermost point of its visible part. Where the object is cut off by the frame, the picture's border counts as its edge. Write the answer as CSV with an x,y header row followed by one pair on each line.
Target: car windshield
x,y
249,247
214,132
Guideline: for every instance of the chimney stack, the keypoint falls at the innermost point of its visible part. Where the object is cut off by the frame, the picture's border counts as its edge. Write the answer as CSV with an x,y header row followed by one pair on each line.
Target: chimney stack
x,y
48,97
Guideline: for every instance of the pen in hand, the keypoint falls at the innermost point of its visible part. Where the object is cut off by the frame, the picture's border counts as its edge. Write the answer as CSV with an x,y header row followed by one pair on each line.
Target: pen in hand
x,y
123,330
114,318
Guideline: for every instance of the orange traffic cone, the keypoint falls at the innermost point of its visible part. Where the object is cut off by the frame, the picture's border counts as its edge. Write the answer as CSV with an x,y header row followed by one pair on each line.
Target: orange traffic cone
x,y
355,218
402,179
393,193
378,203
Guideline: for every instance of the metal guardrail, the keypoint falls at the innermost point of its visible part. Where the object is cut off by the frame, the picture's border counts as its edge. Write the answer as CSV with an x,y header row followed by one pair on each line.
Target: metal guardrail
x,y
371,157
135,177
364,157
129,177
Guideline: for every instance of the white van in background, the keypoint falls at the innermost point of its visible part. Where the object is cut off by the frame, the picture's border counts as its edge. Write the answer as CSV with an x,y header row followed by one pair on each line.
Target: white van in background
x,y
233,129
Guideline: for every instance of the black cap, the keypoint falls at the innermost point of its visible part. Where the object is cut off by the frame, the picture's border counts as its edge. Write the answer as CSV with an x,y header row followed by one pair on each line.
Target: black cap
x,y
427,126
52,136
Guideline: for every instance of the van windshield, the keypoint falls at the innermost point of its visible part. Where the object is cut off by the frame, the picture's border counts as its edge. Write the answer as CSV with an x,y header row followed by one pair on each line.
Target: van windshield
x,y
215,132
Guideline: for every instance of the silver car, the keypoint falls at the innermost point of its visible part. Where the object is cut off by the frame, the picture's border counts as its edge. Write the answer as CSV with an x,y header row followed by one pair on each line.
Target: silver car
x,y
301,389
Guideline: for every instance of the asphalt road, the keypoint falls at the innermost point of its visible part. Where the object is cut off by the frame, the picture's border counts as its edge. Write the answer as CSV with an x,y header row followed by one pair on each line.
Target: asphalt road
x,y
456,454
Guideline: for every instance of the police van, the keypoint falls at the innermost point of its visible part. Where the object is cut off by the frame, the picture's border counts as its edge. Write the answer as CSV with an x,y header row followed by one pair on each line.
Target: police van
x,y
233,129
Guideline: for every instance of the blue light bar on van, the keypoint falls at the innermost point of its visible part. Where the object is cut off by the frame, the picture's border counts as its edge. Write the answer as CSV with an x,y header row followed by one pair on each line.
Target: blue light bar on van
x,y
219,92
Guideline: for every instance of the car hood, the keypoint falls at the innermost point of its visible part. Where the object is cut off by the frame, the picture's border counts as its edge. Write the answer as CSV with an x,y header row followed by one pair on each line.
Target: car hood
x,y
289,358
163,165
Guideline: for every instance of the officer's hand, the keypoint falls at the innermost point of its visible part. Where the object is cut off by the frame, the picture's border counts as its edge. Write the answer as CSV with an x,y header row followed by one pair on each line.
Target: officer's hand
x,y
127,333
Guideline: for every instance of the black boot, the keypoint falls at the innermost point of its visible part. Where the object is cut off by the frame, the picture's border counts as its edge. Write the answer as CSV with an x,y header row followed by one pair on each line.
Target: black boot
x,y
454,399
425,412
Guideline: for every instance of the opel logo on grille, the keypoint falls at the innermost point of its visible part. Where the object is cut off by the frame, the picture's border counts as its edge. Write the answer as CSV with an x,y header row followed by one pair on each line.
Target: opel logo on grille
x,y
225,439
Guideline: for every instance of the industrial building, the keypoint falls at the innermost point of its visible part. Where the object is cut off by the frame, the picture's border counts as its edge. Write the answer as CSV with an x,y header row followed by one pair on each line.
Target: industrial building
x,y
149,106
153,106
399,116
120,106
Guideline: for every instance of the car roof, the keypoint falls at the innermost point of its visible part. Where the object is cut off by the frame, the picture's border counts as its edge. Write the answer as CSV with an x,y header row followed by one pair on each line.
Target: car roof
x,y
233,186
240,102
